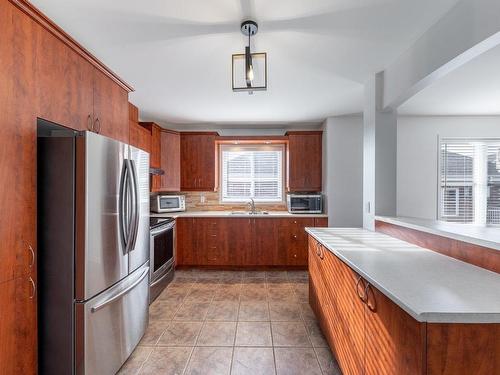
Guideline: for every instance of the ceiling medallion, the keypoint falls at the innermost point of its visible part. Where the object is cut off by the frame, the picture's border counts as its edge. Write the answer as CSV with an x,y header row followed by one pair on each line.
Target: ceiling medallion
x,y
249,70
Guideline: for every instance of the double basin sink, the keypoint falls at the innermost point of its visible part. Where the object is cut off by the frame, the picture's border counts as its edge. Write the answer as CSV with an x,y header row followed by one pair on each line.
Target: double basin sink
x,y
249,213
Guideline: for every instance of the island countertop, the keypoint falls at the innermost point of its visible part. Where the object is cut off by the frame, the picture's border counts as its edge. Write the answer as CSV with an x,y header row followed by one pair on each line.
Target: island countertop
x,y
429,286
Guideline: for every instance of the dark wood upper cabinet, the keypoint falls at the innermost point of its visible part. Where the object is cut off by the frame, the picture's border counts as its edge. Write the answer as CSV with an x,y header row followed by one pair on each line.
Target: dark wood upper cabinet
x,y
155,132
166,155
139,136
170,161
304,164
111,117
198,161
65,84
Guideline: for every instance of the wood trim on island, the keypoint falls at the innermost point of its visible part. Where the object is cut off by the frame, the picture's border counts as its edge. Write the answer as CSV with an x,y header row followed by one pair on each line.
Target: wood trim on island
x,y
33,12
470,253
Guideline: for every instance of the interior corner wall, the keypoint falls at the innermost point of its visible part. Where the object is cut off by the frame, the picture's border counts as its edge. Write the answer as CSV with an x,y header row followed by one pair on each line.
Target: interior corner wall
x,y
343,170
417,157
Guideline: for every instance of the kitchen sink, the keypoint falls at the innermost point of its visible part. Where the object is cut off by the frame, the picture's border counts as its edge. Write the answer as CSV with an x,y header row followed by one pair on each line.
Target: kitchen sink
x,y
249,213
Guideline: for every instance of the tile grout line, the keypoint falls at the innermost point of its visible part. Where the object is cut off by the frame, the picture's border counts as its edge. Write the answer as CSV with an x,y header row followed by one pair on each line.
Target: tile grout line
x,y
192,349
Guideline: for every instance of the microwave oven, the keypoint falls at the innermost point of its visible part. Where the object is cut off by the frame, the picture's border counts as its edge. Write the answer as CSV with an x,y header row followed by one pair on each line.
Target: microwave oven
x,y
305,204
168,203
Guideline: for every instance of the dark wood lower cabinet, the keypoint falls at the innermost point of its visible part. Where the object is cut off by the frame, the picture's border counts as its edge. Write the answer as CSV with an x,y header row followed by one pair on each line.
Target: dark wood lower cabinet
x,y
18,353
463,349
369,334
242,242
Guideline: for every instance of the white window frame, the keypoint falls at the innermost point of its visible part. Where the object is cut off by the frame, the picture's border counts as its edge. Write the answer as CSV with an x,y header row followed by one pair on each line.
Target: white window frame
x,y
249,147
440,141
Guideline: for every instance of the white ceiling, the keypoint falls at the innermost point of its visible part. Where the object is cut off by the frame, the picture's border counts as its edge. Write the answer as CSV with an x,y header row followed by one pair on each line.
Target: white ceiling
x,y
472,89
177,53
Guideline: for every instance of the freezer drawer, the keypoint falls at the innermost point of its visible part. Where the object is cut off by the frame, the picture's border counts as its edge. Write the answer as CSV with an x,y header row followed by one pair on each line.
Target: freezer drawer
x,y
109,326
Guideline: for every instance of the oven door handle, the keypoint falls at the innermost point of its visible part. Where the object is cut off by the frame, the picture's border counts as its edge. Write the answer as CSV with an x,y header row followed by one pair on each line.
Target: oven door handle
x,y
167,272
155,232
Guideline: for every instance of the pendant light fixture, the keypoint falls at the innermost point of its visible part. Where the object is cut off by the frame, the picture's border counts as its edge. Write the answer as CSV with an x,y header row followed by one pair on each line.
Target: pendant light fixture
x,y
249,70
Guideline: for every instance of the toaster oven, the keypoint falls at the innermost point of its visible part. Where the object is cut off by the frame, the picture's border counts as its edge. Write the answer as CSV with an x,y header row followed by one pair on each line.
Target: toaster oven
x,y
168,203
305,204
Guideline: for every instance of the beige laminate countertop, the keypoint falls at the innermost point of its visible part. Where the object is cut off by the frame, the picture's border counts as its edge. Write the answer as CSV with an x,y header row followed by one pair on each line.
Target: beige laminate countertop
x,y
429,286
227,214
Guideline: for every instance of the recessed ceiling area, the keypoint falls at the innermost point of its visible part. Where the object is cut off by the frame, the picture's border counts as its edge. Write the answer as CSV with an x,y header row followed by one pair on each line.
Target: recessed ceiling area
x,y
177,53
472,89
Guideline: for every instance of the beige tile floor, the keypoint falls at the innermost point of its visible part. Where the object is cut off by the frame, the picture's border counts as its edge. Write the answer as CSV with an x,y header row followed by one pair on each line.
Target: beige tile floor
x,y
233,322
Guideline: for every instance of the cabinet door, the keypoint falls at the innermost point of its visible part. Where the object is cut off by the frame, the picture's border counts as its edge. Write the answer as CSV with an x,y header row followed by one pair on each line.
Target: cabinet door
x,y
343,286
186,249
139,137
236,239
64,84
293,241
18,327
198,161
170,161
463,349
17,142
321,222
111,116
304,161
155,158
264,250
395,342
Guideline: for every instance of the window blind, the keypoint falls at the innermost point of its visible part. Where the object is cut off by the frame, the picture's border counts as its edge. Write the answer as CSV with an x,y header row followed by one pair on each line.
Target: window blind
x,y
252,172
470,181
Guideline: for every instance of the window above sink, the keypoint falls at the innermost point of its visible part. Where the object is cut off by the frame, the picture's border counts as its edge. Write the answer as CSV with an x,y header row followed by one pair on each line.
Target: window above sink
x,y
252,171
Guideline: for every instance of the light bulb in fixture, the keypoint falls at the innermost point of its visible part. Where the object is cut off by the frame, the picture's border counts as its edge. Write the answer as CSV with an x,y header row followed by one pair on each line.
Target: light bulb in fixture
x,y
250,74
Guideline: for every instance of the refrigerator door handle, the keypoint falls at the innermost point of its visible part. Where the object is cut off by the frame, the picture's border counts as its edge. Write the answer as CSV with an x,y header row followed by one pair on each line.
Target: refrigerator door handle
x,y
120,294
135,204
122,213
131,198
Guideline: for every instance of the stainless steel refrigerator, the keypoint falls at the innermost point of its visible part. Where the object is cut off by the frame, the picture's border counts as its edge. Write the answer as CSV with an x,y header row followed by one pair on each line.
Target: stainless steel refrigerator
x,y
93,238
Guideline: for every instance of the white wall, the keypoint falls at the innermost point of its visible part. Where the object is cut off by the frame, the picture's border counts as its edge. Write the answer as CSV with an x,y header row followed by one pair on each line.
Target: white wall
x,y
343,170
417,157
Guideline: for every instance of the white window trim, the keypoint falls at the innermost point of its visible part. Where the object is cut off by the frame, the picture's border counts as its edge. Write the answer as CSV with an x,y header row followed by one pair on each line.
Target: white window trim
x,y
440,141
279,146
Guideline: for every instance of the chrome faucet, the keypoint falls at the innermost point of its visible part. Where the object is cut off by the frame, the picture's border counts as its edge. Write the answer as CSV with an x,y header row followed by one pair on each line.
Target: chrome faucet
x,y
252,206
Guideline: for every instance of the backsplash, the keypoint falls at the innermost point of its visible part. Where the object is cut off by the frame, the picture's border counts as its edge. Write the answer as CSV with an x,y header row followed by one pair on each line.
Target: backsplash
x,y
212,203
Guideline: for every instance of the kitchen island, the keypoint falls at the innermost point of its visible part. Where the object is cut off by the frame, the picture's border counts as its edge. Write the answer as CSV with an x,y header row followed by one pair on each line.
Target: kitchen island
x,y
391,307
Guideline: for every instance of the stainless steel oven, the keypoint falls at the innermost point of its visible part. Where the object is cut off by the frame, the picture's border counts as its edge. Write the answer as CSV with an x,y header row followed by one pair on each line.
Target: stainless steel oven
x,y
162,254
305,203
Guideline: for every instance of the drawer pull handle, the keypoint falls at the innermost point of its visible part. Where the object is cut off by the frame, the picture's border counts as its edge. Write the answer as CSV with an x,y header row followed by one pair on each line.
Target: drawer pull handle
x,y
33,288
361,297
97,128
32,256
321,252
371,306
89,123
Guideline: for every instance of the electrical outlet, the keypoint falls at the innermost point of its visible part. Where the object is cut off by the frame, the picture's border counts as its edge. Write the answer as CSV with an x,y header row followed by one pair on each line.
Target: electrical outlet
x,y
202,198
